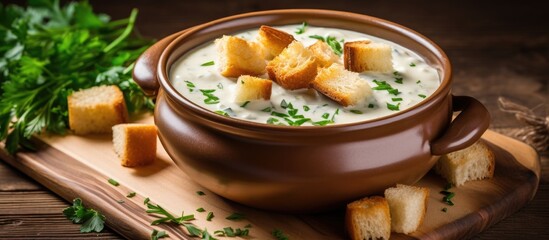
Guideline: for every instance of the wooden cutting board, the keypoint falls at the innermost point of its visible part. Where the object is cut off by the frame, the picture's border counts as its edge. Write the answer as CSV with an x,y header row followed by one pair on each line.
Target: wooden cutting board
x,y
75,166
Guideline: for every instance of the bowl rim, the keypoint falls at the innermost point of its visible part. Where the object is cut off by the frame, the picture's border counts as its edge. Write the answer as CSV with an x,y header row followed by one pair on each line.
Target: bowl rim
x,y
220,121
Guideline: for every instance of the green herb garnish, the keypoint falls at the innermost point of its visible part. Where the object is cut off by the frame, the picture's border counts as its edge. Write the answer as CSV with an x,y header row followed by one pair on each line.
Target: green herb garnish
x,y
370,105
412,64
267,109
210,63
399,80
235,216
422,95
220,85
245,104
200,193
335,45
166,216
49,51
447,194
200,210
230,232
444,209
131,194
209,216
301,29
356,111
91,220
321,38
272,120
113,182
418,82
278,114
222,113
210,98
190,85
120,201
306,108
155,235
283,104
279,235
298,122
396,99
393,107
146,200
326,115
322,123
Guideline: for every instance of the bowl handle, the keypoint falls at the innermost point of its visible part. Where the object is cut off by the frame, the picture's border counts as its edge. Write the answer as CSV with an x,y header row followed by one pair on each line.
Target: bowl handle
x,y
146,66
465,129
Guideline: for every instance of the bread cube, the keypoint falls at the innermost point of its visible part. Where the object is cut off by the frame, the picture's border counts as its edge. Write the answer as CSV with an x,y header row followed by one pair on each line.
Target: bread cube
x,y
344,87
250,88
273,41
361,56
294,68
135,144
473,163
323,53
408,205
96,109
368,218
238,57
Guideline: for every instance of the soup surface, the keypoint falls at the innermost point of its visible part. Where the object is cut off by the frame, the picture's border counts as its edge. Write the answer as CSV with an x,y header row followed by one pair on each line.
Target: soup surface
x,y
196,76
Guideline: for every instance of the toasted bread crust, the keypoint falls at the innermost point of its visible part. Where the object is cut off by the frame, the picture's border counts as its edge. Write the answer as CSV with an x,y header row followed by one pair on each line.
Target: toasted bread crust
x,y
323,53
373,210
361,56
342,86
407,213
238,57
135,144
294,68
273,41
250,88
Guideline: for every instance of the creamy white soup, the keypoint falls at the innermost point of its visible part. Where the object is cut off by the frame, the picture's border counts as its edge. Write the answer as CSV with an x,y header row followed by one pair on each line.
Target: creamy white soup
x,y
196,76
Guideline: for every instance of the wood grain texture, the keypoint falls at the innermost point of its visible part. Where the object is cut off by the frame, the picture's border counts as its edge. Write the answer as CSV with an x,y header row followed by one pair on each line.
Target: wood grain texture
x,y
74,166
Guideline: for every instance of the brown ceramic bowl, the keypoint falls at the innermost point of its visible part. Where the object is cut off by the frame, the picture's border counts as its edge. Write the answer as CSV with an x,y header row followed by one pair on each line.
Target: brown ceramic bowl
x,y
306,168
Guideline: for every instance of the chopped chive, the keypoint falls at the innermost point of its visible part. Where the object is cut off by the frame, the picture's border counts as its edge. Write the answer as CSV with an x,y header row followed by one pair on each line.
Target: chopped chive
x,y
396,99
301,29
399,80
418,82
356,111
393,107
210,63
333,116
245,104
200,210
219,233
190,84
278,114
221,112
235,216
322,123
209,216
272,120
325,115
412,64
131,194
200,193
321,38
146,200
283,104
335,45
113,182
306,108
370,105
422,96
267,109
396,73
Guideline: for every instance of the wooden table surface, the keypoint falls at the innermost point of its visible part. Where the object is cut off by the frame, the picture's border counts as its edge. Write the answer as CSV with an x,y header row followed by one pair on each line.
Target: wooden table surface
x,y
496,48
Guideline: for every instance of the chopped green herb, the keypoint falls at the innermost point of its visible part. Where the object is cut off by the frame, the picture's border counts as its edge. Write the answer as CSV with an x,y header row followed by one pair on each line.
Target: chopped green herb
x,y
272,120
302,28
155,235
335,45
306,108
113,182
91,220
200,210
120,201
399,80
210,63
222,113
370,105
209,216
210,98
166,216
356,111
190,84
292,112
236,216
333,116
147,200
267,109
326,115
283,104
298,122
279,235
206,235
245,104
200,193
193,230
396,99
418,82
220,85
422,95
444,209
321,38
412,64
393,107
219,233
131,194
448,195
396,73
278,114
322,123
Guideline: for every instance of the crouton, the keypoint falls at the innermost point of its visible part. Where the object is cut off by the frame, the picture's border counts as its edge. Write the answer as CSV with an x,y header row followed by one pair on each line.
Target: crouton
x,y
294,68
323,53
473,163
238,57
344,87
361,56
135,144
273,41
408,205
96,109
250,88
368,218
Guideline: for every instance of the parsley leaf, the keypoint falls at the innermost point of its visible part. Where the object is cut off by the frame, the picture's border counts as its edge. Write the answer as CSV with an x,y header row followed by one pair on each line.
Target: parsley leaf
x,y
301,29
91,220
279,234
155,235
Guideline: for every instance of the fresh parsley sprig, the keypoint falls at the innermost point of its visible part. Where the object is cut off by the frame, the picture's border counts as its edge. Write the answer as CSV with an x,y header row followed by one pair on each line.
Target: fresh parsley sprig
x,y
91,220
48,51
